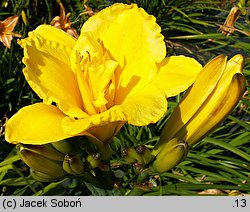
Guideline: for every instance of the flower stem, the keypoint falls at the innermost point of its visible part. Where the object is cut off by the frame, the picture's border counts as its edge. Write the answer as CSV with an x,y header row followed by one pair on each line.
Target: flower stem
x,y
136,192
105,151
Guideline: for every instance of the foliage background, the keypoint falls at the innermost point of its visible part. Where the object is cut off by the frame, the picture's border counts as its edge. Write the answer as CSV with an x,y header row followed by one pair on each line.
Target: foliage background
x,y
218,165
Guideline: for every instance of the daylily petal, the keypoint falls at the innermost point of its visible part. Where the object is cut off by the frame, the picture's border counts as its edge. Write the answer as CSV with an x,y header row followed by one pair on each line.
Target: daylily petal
x,y
104,133
47,58
94,70
10,23
36,124
53,34
133,39
6,39
146,107
100,79
78,126
176,74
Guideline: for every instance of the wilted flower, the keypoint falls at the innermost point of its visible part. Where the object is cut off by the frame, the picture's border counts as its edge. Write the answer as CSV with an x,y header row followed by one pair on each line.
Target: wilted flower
x,y
62,22
115,72
6,30
88,11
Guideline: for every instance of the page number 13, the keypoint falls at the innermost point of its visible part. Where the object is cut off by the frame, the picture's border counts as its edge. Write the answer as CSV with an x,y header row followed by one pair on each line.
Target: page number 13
x,y
240,203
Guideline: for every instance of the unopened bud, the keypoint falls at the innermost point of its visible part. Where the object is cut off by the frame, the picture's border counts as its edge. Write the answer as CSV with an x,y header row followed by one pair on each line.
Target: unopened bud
x,y
131,155
46,150
145,153
73,164
39,162
170,156
94,160
41,177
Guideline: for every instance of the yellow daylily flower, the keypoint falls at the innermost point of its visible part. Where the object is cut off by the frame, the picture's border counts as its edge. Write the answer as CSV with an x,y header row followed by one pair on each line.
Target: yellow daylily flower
x,y
115,72
212,97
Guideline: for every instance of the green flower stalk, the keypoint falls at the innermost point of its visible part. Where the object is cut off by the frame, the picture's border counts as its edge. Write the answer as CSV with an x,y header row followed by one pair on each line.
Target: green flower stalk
x,y
215,93
63,146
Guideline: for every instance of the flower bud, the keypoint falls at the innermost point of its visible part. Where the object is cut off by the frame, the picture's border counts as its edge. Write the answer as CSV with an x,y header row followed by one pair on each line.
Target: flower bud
x,y
42,177
94,160
170,156
131,155
145,153
73,164
39,160
214,94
